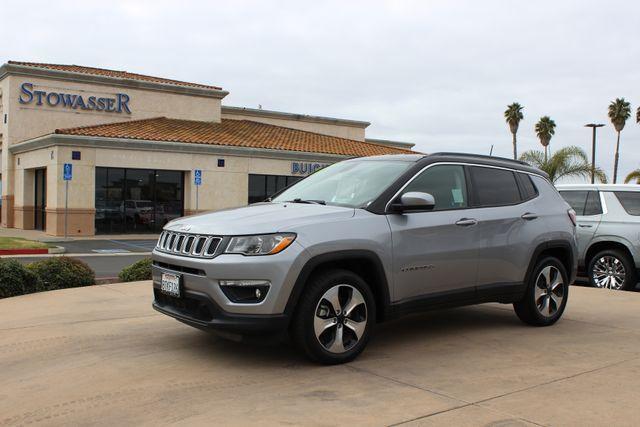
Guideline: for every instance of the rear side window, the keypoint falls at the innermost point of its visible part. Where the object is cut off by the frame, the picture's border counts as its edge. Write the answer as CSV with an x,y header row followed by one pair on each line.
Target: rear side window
x,y
494,187
630,201
583,202
529,190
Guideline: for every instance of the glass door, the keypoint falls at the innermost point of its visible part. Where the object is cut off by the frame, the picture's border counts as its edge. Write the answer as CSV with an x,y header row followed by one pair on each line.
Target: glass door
x,y
40,203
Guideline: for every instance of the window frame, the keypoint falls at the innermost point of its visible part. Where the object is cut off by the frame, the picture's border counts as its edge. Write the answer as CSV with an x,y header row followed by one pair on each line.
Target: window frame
x,y
470,190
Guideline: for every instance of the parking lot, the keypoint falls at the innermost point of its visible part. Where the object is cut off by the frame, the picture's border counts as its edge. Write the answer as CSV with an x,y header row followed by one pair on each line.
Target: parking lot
x,y
102,356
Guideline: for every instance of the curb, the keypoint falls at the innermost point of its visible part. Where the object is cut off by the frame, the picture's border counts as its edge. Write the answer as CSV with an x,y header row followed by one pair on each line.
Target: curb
x,y
43,251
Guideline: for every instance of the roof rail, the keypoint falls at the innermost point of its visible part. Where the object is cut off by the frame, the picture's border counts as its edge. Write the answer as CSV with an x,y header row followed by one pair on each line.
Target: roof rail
x,y
483,156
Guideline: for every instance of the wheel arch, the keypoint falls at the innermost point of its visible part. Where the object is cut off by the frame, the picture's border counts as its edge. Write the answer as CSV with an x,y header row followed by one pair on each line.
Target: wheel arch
x,y
364,263
560,249
605,244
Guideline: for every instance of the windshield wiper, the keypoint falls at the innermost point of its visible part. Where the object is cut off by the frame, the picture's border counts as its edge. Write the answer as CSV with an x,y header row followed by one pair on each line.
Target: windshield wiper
x,y
309,201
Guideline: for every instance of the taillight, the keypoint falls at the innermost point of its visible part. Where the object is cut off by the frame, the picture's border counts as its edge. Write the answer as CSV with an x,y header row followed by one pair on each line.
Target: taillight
x,y
572,216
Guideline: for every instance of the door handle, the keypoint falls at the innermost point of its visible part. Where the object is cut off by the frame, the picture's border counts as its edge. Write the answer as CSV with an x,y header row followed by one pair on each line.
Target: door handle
x,y
585,225
529,216
466,222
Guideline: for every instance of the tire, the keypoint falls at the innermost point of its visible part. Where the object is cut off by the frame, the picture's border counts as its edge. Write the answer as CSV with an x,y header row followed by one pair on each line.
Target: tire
x,y
316,311
613,269
545,298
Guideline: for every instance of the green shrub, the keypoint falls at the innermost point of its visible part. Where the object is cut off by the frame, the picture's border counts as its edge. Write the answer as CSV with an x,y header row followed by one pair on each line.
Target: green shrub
x,y
140,270
62,272
16,279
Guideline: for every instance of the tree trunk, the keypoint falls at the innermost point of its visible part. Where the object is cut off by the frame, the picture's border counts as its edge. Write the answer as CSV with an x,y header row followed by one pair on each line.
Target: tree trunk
x,y
545,153
515,147
615,161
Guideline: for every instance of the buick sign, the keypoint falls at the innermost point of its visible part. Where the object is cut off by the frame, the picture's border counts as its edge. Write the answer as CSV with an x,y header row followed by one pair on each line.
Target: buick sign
x,y
119,104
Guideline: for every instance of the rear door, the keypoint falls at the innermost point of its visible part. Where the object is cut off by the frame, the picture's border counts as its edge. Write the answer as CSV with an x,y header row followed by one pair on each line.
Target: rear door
x,y
509,224
435,253
588,207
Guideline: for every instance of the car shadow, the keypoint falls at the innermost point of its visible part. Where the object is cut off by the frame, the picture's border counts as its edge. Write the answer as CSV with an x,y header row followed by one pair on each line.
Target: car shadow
x,y
425,327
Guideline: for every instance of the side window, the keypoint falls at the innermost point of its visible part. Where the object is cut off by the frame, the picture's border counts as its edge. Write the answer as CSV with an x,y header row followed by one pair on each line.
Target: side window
x,y
630,201
494,187
529,190
593,206
446,183
576,199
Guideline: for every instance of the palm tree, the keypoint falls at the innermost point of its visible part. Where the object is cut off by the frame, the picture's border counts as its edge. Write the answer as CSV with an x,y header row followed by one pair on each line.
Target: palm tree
x,y
566,162
633,175
545,129
619,112
638,115
513,115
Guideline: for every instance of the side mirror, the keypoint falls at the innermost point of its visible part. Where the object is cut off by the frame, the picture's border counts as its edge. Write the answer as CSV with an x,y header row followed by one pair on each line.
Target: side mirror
x,y
414,201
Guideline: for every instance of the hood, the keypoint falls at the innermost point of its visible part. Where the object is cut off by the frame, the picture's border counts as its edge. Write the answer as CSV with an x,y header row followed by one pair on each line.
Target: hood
x,y
260,218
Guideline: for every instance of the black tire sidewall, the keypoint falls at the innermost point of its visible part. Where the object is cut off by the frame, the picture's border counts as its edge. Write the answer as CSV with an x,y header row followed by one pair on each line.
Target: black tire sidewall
x,y
303,330
630,279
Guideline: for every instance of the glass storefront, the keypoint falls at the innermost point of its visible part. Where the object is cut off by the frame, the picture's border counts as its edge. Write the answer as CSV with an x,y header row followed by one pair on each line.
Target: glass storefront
x,y
262,187
137,200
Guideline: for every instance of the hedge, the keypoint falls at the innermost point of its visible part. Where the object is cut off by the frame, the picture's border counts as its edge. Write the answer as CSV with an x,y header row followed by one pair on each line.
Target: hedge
x,y
140,270
62,272
16,279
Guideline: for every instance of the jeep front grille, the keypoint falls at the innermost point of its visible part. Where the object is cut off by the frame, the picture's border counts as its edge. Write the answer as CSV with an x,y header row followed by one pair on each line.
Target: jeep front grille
x,y
184,244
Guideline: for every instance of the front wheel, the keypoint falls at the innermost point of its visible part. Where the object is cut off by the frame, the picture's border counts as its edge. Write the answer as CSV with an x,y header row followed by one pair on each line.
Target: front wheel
x,y
612,269
335,317
546,295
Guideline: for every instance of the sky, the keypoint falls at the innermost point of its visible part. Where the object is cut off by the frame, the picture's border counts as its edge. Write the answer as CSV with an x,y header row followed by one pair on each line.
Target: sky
x,y
435,73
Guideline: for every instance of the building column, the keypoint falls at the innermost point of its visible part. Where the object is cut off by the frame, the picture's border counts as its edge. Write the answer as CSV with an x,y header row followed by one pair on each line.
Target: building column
x,y
7,188
24,209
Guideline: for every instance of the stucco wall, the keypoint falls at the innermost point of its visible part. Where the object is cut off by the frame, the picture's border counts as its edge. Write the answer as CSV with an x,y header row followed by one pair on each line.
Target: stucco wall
x,y
27,121
222,187
342,131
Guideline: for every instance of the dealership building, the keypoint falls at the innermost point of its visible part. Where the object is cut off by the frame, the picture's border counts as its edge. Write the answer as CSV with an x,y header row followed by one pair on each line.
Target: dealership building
x,y
124,152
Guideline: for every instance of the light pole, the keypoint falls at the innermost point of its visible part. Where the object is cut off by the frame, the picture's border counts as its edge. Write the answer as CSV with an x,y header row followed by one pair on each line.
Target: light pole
x,y
593,149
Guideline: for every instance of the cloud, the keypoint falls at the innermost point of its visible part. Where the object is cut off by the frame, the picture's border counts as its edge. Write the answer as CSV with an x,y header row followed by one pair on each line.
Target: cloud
x,y
437,73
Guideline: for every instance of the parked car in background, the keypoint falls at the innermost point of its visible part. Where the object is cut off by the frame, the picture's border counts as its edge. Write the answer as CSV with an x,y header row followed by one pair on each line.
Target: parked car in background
x,y
608,217
367,240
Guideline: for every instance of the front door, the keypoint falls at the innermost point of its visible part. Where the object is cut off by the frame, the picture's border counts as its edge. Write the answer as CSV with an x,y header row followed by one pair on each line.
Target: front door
x,y
435,253
40,203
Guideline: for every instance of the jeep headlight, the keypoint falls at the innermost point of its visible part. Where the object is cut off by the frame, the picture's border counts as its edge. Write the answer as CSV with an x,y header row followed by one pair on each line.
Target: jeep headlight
x,y
265,244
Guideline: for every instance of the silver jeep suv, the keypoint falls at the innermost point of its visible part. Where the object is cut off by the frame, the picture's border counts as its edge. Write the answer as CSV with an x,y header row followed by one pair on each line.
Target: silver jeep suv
x,y
367,240
608,232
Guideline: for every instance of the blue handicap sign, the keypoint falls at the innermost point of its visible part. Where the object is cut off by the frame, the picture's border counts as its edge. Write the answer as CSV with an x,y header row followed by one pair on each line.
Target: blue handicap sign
x,y
68,172
197,177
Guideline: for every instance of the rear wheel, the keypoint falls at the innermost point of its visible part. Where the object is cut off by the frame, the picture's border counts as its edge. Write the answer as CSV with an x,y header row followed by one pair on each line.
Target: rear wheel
x,y
546,295
612,269
334,317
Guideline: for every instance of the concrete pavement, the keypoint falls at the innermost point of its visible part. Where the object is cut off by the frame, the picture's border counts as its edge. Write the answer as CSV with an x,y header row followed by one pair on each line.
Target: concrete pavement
x,y
102,356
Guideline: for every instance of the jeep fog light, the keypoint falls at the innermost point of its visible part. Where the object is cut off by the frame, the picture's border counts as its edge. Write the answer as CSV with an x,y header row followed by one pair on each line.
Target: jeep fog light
x,y
245,291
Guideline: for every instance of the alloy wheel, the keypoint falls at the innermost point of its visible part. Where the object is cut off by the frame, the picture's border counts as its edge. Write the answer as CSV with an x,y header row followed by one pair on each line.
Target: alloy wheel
x,y
608,272
340,318
549,291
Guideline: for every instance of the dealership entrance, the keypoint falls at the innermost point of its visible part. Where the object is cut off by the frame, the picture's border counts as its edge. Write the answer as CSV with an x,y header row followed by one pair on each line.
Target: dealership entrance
x,y
40,202
137,200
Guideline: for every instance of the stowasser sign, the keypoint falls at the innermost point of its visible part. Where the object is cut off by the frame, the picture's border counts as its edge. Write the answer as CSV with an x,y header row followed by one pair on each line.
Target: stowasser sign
x,y
119,104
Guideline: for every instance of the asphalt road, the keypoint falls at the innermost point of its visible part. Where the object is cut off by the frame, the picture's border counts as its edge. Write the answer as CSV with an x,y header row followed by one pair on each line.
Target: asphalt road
x,y
101,356
106,257
105,266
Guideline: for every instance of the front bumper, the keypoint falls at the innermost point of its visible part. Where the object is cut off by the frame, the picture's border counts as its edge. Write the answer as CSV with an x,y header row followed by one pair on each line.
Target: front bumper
x,y
198,310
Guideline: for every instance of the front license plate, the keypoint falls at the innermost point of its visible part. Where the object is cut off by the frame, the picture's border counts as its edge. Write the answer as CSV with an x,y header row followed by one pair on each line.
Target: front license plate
x,y
170,284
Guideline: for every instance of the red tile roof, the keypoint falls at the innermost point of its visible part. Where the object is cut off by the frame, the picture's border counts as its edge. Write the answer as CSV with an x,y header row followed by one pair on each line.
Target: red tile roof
x,y
237,133
111,73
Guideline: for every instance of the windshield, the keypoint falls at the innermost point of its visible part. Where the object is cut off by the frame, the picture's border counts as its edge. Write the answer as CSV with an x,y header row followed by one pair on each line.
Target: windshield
x,y
351,183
